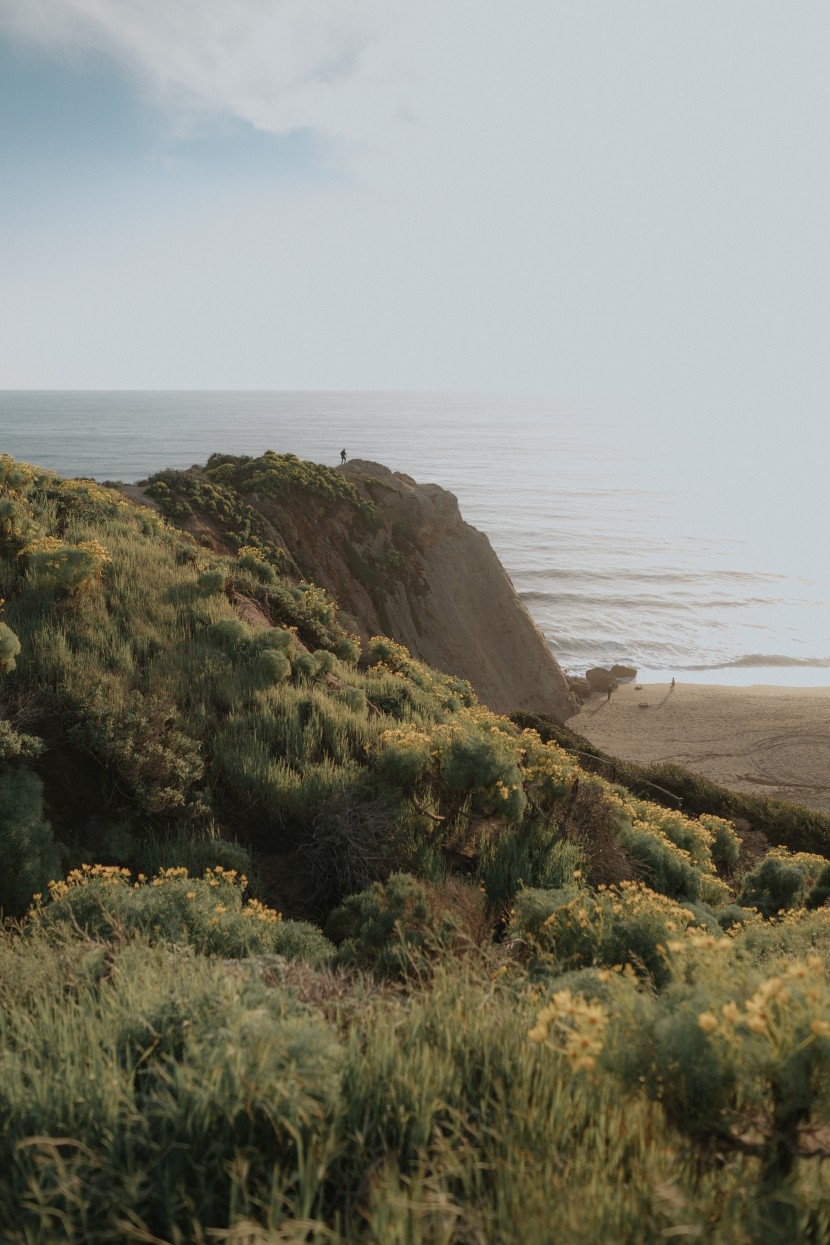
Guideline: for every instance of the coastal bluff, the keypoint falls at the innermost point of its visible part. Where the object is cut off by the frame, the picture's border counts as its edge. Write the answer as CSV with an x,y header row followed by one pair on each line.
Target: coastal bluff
x,y
449,599
401,561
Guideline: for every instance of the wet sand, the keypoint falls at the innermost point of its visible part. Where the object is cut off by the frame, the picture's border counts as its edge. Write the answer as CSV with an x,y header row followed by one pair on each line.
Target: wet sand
x,y
771,741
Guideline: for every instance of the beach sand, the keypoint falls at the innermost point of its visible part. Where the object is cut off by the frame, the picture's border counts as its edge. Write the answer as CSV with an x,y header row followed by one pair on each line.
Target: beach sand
x,y
771,741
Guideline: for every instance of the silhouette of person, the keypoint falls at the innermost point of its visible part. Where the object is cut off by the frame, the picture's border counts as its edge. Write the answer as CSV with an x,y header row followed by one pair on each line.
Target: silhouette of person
x,y
671,689
342,456
609,694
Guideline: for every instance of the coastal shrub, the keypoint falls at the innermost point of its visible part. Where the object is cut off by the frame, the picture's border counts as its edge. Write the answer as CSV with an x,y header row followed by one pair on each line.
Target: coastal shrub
x,y
391,928
208,913
9,649
725,845
230,633
305,666
347,649
144,742
29,855
325,661
660,863
578,928
275,638
63,566
211,582
531,856
273,665
15,744
185,847
819,893
403,756
354,698
250,559
778,882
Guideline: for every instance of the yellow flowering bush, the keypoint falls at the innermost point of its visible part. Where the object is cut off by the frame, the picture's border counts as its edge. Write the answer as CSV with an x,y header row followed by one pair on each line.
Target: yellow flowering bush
x,y
574,1027
611,927
210,913
65,566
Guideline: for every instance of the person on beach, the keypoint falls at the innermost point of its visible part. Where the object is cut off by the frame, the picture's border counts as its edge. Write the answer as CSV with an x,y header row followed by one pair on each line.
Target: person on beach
x,y
671,688
609,693
342,456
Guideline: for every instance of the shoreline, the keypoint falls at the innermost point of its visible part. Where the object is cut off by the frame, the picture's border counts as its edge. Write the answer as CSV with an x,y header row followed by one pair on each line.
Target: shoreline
x,y
762,739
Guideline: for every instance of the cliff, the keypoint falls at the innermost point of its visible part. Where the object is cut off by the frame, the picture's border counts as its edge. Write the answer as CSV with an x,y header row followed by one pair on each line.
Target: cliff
x,y
399,559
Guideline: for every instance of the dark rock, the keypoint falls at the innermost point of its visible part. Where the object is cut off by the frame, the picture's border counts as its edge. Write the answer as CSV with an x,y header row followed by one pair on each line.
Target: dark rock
x,y
600,680
624,672
579,687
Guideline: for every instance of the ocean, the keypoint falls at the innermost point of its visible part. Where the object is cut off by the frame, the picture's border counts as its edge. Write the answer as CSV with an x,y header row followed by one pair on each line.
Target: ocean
x,y
642,544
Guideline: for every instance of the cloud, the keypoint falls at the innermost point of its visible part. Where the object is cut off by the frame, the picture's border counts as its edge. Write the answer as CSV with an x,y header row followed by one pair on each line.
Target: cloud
x,y
339,67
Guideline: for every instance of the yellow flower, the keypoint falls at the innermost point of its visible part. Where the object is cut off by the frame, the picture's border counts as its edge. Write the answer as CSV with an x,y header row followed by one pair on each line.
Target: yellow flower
x,y
821,1028
707,1022
731,1012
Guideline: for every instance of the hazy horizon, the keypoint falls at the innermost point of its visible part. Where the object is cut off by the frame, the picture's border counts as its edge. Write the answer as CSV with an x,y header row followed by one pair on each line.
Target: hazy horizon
x,y
623,205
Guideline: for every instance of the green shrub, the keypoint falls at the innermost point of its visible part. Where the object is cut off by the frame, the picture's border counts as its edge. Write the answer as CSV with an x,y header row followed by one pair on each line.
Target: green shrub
x,y
231,633
819,893
62,566
347,649
403,757
275,638
208,913
28,852
773,885
726,846
196,852
15,743
325,661
273,665
250,560
305,666
9,649
578,928
531,856
354,698
663,867
145,743
391,929
211,582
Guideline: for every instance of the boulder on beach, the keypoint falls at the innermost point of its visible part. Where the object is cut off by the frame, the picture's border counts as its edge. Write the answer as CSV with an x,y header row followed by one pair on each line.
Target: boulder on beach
x,y
623,672
580,687
600,680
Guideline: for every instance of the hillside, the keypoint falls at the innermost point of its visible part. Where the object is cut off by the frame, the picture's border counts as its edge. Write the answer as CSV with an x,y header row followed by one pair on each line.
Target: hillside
x,y
396,555
482,985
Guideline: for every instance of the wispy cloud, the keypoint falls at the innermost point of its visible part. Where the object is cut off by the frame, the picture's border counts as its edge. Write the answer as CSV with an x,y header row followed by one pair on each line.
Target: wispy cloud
x,y
335,66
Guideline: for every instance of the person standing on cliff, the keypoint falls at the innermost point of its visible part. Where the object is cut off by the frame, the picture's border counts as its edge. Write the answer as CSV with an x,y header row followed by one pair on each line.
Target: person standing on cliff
x,y
342,457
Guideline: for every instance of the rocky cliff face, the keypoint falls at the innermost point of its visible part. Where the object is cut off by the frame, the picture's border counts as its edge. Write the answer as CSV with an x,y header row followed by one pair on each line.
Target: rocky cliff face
x,y
423,576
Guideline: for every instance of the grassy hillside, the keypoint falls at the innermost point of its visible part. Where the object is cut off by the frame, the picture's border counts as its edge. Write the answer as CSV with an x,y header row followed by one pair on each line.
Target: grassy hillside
x,y
316,948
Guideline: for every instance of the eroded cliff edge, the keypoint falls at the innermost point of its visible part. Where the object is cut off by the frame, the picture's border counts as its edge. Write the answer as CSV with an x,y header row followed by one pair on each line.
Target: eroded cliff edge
x,y
401,561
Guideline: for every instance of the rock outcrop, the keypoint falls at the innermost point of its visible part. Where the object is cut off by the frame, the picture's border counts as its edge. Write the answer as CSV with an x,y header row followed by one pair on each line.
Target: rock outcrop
x,y
600,680
424,577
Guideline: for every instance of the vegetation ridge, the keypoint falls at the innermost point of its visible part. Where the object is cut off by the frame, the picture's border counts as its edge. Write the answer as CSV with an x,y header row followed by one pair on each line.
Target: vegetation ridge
x,y
310,945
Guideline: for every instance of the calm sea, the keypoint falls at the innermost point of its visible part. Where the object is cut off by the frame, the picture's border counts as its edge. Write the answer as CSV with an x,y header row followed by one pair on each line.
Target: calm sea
x,y
643,546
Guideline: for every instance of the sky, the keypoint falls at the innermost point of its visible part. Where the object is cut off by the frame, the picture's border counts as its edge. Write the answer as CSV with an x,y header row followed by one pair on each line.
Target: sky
x,y
614,201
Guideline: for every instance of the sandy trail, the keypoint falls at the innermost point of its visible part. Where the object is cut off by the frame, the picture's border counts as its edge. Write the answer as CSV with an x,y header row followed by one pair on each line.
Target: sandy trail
x,y
766,740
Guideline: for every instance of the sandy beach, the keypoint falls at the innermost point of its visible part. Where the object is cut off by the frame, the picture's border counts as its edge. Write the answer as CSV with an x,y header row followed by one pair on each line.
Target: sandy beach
x,y
766,740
